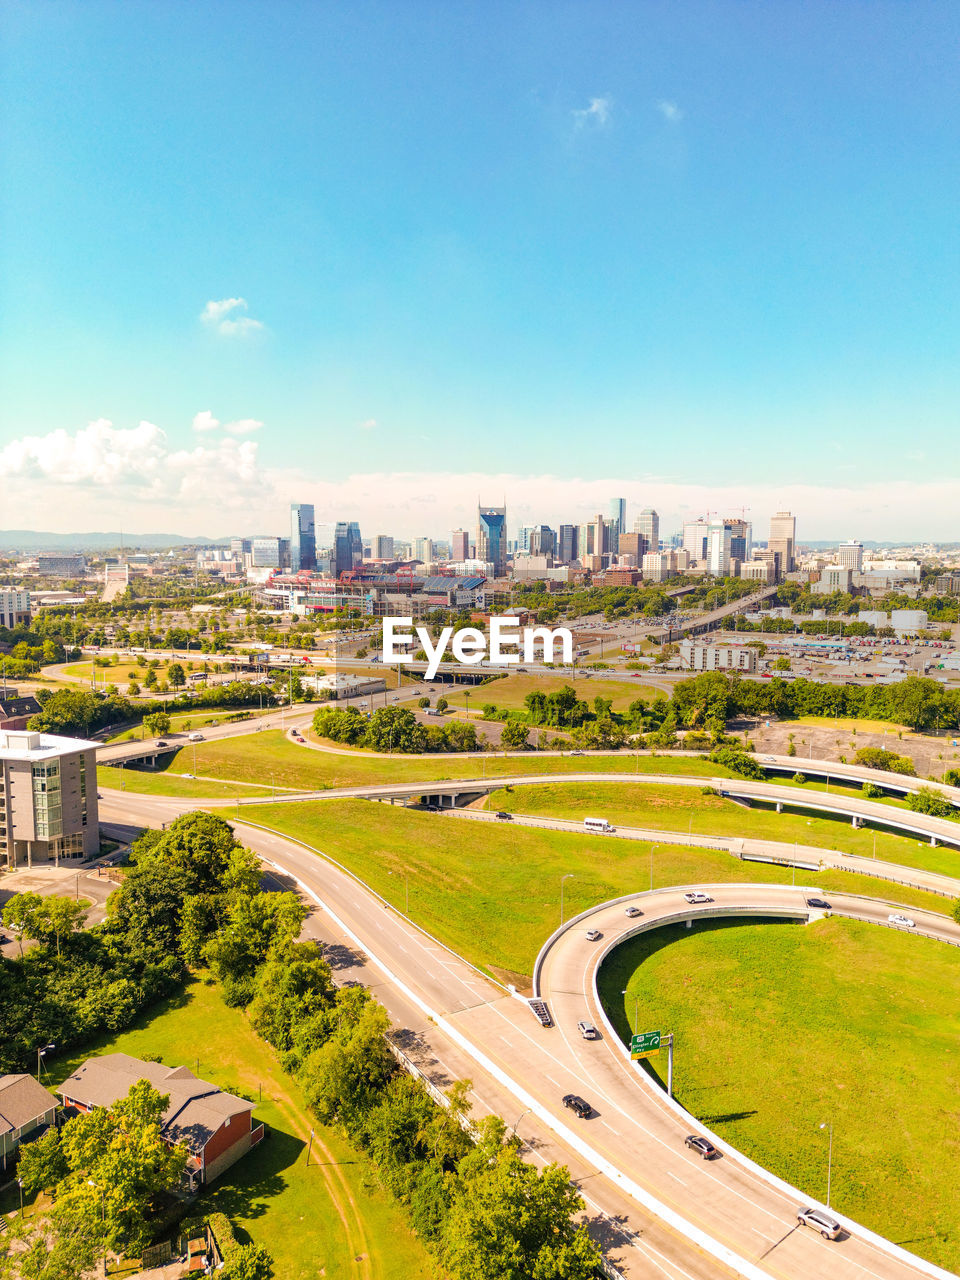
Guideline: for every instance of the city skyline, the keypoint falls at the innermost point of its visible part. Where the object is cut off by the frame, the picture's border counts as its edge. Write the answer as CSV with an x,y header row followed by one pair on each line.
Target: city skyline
x,y
379,258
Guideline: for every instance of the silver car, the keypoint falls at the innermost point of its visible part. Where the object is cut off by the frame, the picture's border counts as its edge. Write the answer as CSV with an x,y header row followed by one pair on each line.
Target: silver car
x,y
821,1221
588,1031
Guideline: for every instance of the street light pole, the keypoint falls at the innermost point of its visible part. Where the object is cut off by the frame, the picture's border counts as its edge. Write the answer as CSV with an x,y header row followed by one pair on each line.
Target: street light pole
x,y
829,1126
568,876
652,847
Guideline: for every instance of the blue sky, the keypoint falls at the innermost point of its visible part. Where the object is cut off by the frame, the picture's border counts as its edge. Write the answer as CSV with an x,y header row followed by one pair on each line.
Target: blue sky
x,y
700,249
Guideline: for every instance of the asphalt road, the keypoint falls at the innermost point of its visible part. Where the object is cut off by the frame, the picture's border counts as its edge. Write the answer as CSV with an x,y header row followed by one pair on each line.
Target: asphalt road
x,y
633,1147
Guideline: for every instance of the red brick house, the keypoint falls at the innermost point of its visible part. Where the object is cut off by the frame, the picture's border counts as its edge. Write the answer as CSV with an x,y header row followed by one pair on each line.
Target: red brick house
x,y
216,1128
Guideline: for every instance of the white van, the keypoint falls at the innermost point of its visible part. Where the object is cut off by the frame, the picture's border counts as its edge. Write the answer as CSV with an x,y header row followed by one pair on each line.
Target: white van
x,y
599,825
196,737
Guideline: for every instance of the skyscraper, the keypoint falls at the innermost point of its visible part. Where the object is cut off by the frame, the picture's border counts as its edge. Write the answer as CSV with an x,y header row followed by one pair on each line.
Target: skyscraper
x,y
347,547
303,541
383,547
783,538
695,538
461,545
567,543
718,548
618,512
647,523
492,537
850,555
741,539
423,550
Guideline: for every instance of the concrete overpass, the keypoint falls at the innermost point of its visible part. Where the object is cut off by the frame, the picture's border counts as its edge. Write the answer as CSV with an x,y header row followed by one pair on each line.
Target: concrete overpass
x,y
713,620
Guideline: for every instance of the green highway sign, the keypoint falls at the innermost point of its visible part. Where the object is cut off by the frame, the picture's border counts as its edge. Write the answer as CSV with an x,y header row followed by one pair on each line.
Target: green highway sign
x,y
646,1044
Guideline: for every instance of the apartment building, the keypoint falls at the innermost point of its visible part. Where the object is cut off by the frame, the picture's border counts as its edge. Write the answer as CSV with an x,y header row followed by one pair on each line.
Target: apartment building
x,y
48,798
715,657
14,607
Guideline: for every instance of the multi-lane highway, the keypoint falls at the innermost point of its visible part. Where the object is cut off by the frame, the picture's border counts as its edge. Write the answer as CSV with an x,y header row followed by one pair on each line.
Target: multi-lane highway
x,y
682,1218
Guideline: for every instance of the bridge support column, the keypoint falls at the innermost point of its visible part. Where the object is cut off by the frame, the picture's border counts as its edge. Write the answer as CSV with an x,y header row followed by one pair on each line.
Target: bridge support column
x,y
779,806
933,842
855,819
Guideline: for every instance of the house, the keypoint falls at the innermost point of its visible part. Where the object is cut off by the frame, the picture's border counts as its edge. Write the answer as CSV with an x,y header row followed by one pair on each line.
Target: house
x,y
16,711
215,1127
26,1112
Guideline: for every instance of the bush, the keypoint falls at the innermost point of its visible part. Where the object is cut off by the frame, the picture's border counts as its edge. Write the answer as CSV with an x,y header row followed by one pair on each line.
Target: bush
x,y
931,802
799,779
871,791
738,762
879,758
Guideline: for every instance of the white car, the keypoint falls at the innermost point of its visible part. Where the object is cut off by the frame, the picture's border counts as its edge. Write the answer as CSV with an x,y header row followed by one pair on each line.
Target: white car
x,y
633,912
903,922
696,898
588,1031
594,935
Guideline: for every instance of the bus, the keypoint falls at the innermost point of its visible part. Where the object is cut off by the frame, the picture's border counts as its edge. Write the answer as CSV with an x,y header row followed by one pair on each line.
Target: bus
x,y
599,825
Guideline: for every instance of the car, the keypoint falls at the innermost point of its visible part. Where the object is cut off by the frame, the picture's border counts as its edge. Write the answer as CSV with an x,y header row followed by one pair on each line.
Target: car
x,y
702,1146
577,1104
633,912
820,903
821,1221
588,1031
161,743
594,935
503,816
696,898
196,737
902,922
188,775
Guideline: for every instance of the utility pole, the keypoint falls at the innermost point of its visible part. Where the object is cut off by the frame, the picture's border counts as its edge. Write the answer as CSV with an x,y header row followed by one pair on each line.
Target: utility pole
x,y
829,1126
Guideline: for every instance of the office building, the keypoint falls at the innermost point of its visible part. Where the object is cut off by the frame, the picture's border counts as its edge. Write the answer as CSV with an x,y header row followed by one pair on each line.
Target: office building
x,y
460,548
347,547
543,541
267,553
240,547
567,543
760,571
585,540
303,539
833,577
48,798
524,534
741,539
695,656
382,547
14,607
783,542
61,564
850,554
492,537
632,544
718,548
647,524
695,534
618,513
611,537
423,550
658,566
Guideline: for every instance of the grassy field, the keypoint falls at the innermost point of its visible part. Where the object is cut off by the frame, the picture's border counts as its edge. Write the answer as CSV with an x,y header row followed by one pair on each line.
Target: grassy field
x,y
673,808
314,1220
169,784
492,893
121,673
859,1030
253,757
180,722
511,691
844,725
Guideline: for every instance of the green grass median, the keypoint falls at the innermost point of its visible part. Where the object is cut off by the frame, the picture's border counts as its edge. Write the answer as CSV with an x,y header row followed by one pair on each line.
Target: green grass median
x,y
783,1027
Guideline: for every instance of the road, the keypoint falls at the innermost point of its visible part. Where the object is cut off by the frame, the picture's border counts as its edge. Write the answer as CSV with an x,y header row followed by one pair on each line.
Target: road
x,y
630,1156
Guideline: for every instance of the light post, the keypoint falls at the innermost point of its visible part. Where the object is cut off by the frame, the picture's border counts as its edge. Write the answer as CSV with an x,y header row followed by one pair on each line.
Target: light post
x,y
568,876
652,847
636,1008
828,1125
42,1053
20,1189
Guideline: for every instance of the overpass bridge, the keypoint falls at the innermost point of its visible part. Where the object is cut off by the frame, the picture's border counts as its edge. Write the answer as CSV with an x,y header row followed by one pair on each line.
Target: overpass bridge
x,y
714,620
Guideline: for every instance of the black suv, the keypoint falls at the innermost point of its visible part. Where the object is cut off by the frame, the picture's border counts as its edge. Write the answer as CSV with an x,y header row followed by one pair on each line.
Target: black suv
x,y
577,1105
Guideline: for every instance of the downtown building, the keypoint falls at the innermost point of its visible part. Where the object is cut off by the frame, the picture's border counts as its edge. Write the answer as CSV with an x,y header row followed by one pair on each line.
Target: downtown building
x,y
48,798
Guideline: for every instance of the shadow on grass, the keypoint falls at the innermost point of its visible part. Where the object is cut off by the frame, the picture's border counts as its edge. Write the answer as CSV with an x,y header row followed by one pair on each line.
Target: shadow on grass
x,y
247,1188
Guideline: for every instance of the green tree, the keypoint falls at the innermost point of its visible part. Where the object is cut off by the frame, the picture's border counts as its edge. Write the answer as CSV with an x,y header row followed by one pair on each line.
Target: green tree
x,y
20,915
248,1262
56,918
515,735
42,1163
442,703
157,723
395,729
176,676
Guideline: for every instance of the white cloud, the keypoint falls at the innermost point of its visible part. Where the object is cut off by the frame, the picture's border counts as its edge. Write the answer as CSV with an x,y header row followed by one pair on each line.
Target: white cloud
x,y
223,315
105,476
243,426
597,113
670,111
205,421
368,424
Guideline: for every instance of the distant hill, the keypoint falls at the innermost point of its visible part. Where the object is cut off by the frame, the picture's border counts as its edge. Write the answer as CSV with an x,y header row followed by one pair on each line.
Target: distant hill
x,y
35,540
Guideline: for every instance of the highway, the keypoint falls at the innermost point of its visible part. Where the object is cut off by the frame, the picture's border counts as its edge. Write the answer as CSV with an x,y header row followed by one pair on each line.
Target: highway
x,y
715,1219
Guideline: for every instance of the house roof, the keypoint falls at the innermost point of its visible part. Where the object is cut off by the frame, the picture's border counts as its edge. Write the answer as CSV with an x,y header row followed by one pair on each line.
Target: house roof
x,y
11,707
196,1109
22,1101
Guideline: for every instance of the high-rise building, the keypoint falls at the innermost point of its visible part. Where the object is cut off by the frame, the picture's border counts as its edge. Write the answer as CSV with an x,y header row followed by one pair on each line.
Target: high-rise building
x,y
741,539
383,547
850,555
543,541
524,534
647,523
611,536
14,607
50,808
347,547
631,544
492,537
423,550
303,540
783,541
267,553
695,534
461,545
618,512
718,548
567,543
585,540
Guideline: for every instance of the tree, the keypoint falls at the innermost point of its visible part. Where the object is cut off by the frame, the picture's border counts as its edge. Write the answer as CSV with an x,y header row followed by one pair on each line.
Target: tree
x,y
176,676
344,1077
515,735
42,1163
926,800
248,1262
781,664
56,918
395,729
157,723
423,703
442,703
20,915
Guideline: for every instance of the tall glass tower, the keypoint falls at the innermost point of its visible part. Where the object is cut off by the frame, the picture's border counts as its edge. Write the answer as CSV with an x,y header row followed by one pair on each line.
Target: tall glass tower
x,y
347,547
492,537
303,539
